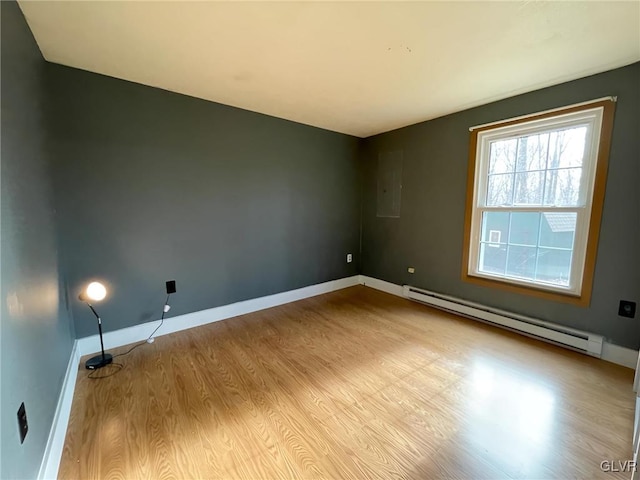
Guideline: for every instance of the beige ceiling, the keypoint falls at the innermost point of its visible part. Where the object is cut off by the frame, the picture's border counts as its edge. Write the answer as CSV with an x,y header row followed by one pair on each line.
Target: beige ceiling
x,y
357,68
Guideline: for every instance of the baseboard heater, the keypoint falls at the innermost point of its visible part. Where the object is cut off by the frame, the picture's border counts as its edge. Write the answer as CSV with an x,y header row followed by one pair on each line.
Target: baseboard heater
x,y
584,342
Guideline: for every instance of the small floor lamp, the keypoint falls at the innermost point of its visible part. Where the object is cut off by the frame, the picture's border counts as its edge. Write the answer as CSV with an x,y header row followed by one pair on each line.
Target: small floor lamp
x,y
95,291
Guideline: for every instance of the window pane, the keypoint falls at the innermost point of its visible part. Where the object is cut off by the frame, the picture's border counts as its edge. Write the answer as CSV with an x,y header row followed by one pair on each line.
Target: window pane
x,y
492,258
521,262
563,187
495,227
566,147
528,188
500,190
524,228
503,156
532,152
558,229
554,266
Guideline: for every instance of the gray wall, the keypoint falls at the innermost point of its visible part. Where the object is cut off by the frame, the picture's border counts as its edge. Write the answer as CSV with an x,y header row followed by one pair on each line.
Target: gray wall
x,y
429,233
36,333
233,205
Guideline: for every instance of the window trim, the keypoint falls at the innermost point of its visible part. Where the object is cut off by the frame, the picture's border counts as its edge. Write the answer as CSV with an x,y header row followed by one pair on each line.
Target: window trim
x,y
597,203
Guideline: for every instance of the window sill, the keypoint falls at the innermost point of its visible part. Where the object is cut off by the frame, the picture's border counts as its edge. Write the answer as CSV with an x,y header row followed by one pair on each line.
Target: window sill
x,y
582,300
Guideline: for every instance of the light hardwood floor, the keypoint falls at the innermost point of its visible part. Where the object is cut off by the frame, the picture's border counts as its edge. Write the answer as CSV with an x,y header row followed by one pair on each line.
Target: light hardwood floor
x,y
352,384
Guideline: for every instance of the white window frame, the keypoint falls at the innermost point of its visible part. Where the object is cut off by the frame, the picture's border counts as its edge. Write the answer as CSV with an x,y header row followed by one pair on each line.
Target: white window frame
x,y
592,118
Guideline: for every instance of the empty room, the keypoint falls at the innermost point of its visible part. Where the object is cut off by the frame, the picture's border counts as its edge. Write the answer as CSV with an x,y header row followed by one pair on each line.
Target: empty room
x,y
263,240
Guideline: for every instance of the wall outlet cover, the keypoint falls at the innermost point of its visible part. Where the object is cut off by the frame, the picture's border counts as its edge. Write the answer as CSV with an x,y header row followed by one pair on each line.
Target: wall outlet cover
x,y
411,270
627,309
349,258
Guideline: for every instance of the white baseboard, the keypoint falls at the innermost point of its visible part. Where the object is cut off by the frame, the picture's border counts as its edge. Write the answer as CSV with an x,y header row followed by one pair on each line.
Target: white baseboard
x,y
137,333
610,352
626,357
58,432
381,285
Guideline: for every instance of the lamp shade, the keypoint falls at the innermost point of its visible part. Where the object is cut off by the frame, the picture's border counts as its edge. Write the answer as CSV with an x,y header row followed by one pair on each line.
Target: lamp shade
x,y
96,291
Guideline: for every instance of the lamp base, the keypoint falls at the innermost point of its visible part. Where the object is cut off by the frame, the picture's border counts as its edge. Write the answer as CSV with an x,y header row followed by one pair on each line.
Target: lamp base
x,y
98,361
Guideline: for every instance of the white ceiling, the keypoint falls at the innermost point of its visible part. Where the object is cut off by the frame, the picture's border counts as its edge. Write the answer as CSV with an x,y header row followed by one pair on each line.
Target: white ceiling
x,y
357,68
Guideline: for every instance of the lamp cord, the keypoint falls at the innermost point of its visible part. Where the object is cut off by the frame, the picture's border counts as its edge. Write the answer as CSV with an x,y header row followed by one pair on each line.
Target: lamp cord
x,y
166,302
98,373
152,333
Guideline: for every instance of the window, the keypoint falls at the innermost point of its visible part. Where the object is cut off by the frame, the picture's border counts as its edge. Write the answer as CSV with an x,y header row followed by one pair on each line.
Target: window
x,y
535,196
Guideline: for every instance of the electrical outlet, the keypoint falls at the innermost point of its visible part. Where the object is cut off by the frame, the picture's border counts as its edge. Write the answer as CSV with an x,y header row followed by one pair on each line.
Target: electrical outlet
x,y
627,309
411,270
23,426
349,258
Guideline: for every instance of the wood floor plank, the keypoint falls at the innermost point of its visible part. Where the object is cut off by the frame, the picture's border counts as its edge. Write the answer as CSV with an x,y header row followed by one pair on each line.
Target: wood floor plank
x,y
352,384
